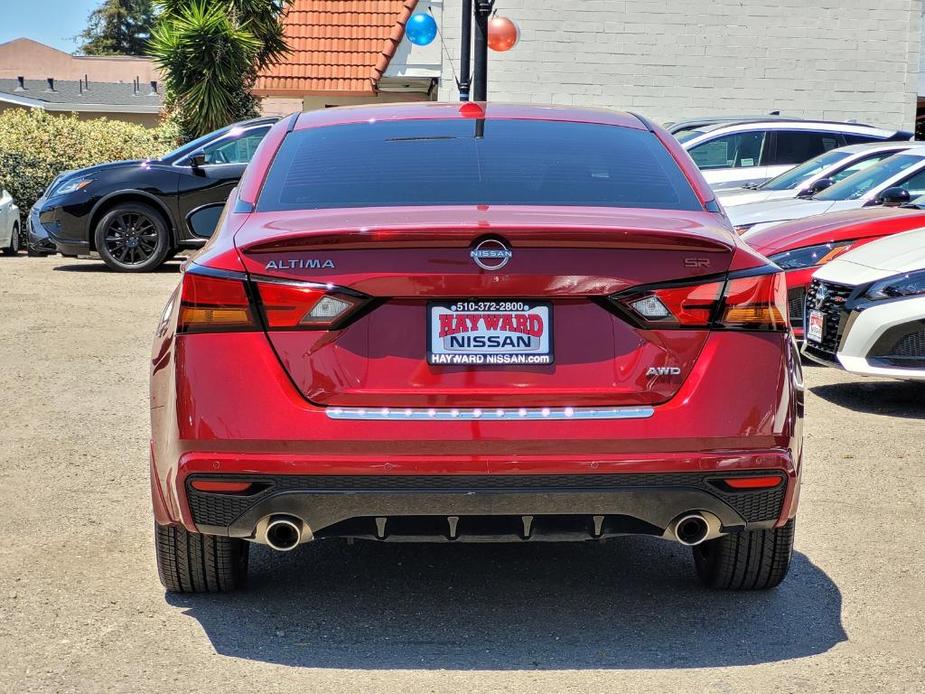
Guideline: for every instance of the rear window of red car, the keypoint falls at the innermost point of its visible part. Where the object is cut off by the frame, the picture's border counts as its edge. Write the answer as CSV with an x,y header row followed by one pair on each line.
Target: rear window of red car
x,y
469,162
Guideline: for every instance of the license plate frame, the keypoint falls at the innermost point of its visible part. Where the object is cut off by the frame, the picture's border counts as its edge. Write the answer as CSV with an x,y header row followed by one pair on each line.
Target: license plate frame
x,y
525,348
815,326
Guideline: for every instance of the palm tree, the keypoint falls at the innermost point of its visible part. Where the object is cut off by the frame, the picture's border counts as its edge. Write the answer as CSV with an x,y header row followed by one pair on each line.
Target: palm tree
x,y
211,52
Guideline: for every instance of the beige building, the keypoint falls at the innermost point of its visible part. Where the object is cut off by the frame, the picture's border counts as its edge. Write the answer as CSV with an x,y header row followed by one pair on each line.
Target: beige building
x,y
33,75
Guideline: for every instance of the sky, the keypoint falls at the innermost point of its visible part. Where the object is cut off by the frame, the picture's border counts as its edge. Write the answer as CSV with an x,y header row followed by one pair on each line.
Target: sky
x,y
54,22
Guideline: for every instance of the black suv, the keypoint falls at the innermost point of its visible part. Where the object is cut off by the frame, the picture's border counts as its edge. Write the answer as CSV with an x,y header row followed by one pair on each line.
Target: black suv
x,y
137,214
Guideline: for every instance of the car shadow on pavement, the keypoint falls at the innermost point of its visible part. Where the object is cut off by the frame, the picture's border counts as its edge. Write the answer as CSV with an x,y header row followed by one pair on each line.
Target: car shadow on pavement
x,y
630,603
889,398
171,266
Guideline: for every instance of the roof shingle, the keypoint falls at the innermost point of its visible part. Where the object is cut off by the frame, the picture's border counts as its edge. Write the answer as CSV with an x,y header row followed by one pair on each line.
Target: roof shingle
x,y
77,94
338,46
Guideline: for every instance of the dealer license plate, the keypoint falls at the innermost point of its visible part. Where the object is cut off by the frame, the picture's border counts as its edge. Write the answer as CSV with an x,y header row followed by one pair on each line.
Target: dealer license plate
x,y
815,328
488,333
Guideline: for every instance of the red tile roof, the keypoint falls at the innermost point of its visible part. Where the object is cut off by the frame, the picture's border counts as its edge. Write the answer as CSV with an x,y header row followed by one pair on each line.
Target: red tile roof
x,y
338,46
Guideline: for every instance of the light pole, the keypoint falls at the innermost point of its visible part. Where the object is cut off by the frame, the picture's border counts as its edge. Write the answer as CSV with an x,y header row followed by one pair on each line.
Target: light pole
x,y
479,84
465,52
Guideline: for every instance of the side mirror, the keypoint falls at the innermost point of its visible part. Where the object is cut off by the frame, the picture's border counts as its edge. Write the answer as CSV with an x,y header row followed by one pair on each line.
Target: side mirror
x,y
197,159
817,187
894,197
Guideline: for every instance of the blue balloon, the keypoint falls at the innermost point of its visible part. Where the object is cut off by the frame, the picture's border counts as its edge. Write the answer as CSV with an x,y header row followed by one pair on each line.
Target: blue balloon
x,y
421,29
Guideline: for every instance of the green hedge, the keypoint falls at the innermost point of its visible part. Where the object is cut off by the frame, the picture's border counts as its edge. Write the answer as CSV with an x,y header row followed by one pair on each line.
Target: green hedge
x,y
35,147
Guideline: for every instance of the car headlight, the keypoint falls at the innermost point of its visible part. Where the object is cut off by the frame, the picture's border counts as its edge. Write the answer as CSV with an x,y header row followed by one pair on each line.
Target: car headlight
x,y
810,256
909,284
72,186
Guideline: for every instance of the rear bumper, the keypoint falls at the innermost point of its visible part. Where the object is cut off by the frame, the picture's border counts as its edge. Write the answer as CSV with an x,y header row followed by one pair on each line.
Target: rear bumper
x,y
485,508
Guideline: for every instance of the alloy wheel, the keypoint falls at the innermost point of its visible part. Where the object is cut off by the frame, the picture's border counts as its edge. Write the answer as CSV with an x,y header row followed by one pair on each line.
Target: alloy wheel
x,y
131,238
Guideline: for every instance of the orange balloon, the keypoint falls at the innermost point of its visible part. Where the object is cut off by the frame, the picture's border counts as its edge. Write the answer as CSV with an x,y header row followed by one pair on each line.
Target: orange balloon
x,y
503,34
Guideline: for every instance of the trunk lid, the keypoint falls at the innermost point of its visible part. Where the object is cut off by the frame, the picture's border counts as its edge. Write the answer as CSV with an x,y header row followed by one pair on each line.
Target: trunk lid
x,y
411,261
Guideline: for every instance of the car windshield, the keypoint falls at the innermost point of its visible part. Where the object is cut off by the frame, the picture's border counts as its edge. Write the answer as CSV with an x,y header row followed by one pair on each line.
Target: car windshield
x,y
193,145
792,178
859,184
473,162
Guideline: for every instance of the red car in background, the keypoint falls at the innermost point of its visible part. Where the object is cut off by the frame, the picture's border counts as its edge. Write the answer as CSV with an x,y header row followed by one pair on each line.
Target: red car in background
x,y
802,246
427,322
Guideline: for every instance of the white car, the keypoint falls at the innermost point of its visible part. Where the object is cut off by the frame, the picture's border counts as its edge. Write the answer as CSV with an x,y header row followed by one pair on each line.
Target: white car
x,y
815,175
893,181
865,310
752,151
9,224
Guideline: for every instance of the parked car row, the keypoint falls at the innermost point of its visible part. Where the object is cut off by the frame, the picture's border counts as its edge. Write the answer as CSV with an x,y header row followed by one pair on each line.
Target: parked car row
x,y
754,150
848,229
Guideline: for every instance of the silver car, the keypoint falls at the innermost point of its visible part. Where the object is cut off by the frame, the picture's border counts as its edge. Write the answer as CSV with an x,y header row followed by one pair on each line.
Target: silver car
x,y
753,151
815,175
893,181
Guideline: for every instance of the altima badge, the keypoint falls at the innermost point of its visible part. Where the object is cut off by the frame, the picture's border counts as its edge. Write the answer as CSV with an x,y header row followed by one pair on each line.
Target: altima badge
x,y
491,254
301,264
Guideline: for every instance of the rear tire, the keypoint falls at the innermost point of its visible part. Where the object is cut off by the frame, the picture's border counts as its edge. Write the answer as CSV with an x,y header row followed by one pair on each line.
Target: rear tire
x,y
750,560
194,563
13,248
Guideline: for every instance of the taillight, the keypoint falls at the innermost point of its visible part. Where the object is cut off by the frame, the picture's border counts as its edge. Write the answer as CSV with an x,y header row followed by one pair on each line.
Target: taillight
x,y
688,306
287,306
753,302
223,302
214,304
757,302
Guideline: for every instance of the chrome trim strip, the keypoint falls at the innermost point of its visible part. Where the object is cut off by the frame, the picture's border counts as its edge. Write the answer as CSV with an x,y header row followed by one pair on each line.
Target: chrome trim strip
x,y
488,413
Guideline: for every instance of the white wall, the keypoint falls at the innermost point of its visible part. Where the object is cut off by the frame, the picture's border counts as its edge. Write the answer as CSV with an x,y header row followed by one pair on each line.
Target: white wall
x,y
420,61
922,54
671,59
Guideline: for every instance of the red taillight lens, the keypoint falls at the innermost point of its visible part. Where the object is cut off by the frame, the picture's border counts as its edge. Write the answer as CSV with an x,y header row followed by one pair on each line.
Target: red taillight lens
x,y
757,302
304,306
214,304
210,303
688,306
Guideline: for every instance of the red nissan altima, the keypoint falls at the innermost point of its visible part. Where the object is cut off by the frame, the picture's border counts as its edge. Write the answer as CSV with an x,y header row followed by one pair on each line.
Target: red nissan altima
x,y
422,322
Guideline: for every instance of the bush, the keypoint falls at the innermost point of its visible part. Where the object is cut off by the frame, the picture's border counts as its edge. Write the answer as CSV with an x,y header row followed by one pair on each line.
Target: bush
x,y
35,147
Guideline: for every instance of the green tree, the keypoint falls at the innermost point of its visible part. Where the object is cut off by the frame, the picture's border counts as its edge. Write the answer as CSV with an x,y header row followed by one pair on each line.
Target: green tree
x,y
118,27
210,52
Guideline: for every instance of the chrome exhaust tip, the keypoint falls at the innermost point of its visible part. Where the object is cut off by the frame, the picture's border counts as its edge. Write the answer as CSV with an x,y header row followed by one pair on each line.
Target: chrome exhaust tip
x,y
691,529
283,533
